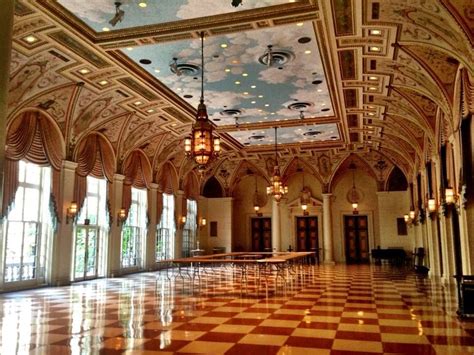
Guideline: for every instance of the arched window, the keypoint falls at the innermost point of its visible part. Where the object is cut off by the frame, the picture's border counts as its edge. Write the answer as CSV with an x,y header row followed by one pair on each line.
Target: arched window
x,y
27,227
164,248
190,227
134,230
90,232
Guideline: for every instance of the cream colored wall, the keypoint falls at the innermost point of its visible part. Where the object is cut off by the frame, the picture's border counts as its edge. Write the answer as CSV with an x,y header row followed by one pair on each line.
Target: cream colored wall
x,y
215,210
393,205
341,206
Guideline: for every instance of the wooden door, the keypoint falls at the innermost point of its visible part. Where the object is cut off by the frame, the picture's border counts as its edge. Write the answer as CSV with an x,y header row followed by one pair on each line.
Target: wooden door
x,y
261,234
307,233
357,239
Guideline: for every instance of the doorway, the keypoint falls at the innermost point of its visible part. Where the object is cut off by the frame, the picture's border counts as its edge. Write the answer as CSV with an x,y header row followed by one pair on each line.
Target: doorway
x,y
85,253
261,234
356,234
307,234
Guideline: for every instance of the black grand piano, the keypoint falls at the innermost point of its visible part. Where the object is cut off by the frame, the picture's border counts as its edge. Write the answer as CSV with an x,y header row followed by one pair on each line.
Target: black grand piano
x,y
395,256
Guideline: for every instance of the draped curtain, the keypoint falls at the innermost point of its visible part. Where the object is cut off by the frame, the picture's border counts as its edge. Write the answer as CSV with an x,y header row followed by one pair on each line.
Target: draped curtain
x,y
34,137
167,180
138,173
94,157
467,98
191,187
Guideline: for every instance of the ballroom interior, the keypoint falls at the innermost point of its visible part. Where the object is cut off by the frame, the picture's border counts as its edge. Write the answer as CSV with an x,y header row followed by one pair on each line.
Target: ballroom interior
x,y
138,132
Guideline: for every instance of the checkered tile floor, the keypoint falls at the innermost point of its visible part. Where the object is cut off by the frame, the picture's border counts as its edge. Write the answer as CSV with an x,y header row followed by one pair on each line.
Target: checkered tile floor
x,y
332,310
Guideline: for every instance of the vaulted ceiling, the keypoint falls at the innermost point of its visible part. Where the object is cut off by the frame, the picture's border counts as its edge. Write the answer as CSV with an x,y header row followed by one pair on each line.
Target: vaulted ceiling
x,y
366,77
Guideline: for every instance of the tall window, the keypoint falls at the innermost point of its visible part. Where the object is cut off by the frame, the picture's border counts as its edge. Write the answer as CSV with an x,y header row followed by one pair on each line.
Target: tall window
x,y
27,230
90,241
134,230
164,248
189,230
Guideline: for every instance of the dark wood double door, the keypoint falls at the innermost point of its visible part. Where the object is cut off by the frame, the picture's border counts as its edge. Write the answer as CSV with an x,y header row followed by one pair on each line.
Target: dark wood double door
x,y
261,234
307,234
356,233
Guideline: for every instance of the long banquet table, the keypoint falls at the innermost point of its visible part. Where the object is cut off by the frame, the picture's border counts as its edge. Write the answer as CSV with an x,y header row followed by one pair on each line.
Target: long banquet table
x,y
266,266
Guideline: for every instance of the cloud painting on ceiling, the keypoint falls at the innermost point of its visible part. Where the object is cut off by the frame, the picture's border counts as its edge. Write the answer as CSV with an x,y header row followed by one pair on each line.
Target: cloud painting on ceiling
x,y
97,13
300,134
241,86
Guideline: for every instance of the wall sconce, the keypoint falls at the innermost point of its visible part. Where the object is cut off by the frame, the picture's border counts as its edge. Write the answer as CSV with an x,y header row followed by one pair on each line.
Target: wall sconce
x,y
449,195
412,214
203,223
432,205
121,217
304,207
406,217
183,220
71,212
354,208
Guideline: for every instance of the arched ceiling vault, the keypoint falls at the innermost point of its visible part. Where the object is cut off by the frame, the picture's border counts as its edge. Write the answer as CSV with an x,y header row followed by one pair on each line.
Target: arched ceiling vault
x,y
370,78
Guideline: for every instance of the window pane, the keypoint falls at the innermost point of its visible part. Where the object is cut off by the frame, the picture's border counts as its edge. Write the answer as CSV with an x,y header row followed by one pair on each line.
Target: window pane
x,y
32,204
29,251
80,252
33,174
17,210
13,251
92,204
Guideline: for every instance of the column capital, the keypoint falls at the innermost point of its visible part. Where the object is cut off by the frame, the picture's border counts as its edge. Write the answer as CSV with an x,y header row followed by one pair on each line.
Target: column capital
x,y
119,177
154,186
327,195
69,165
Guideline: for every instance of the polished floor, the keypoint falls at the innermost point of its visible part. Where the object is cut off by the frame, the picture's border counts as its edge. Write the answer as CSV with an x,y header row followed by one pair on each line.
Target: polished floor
x,y
326,310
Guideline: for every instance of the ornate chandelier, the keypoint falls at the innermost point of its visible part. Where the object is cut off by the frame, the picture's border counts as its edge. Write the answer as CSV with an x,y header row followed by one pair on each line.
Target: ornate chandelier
x,y
276,188
202,146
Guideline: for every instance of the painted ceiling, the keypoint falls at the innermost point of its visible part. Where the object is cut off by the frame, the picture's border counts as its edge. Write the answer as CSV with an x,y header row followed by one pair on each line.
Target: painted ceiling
x,y
97,13
240,87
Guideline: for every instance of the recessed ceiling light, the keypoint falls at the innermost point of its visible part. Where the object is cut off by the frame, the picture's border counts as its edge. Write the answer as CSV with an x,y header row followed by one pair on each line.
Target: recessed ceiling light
x,y
178,89
371,114
129,48
223,45
260,96
323,104
157,70
373,78
299,24
253,86
291,0
260,110
142,4
137,103
103,82
30,39
372,88
173,124
235,62
254,102
245,74
319,90
266,105
150,110
307,51
246,93
105,29
227,70
370,106
237,82
375,32
84,71
272,113
374,49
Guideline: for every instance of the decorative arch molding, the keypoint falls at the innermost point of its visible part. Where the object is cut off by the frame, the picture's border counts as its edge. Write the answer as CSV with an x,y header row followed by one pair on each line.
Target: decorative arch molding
x,y
343,167
242,171
292,166
137,170
212,188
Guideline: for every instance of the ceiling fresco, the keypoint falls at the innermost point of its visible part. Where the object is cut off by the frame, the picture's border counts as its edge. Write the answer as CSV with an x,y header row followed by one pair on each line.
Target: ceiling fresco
x,y
97,13
241,86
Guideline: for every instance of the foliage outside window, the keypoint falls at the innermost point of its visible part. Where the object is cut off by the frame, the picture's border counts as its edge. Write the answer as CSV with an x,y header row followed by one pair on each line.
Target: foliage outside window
x,y
190,227
133,230
28,227
164,248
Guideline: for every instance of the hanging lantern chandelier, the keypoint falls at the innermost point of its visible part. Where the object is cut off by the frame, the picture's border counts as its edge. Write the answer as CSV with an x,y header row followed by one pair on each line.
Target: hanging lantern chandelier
x,y
354,196
202,146
276,188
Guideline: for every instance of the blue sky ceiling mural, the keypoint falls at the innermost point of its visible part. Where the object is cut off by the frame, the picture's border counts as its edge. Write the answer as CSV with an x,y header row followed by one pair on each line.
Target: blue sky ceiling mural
x,y
266,75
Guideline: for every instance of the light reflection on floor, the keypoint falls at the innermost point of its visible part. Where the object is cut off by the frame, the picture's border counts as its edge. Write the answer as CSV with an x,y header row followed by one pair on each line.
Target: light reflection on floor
x,y
325,310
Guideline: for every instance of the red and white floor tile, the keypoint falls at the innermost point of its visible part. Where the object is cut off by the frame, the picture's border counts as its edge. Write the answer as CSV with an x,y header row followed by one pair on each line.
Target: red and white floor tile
x,y
328,310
